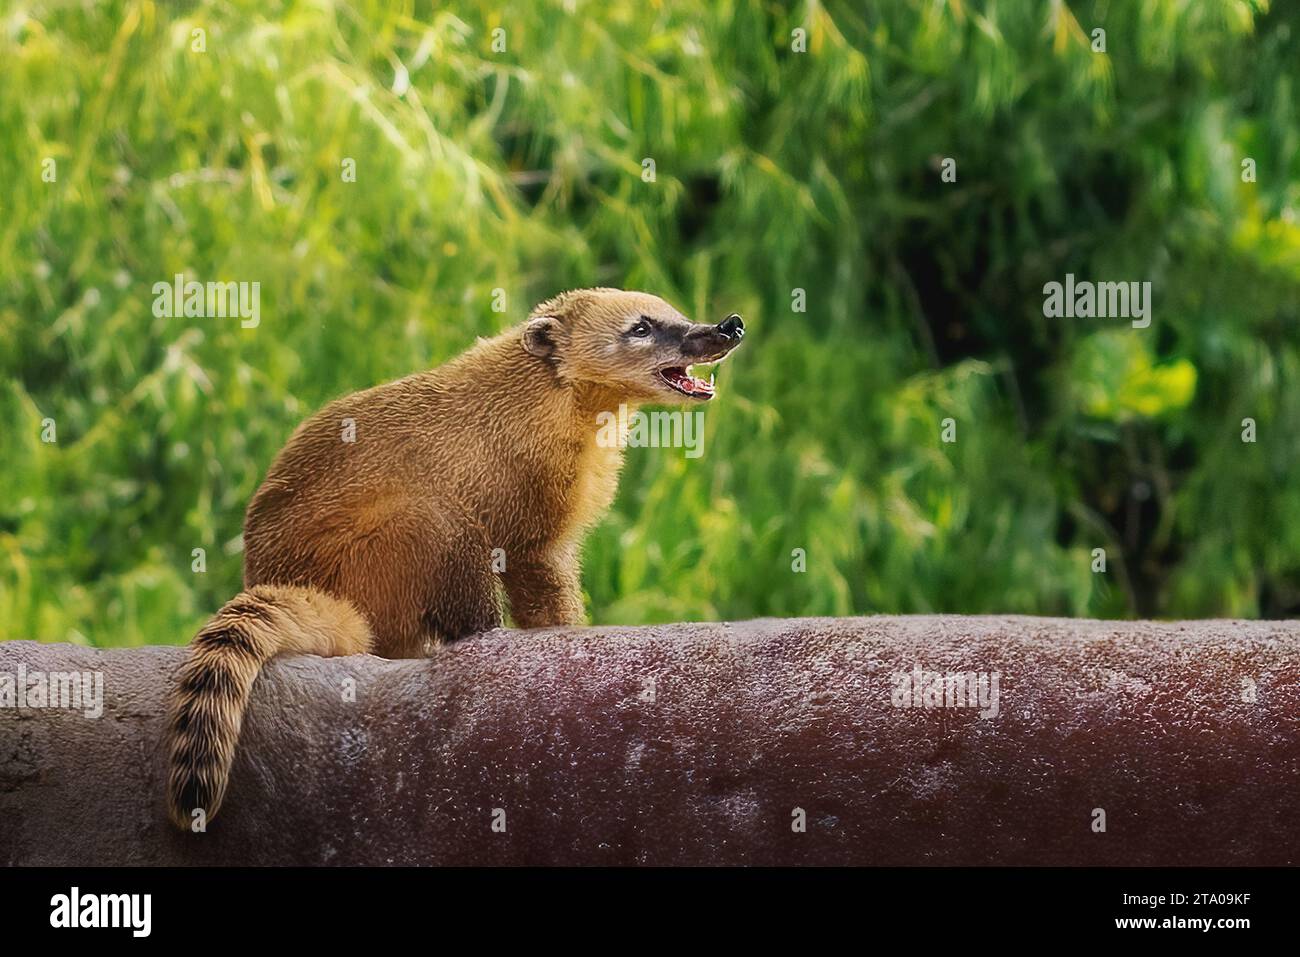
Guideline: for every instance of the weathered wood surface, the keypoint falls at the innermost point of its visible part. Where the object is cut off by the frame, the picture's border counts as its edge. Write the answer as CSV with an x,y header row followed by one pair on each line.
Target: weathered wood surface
x,y
697,744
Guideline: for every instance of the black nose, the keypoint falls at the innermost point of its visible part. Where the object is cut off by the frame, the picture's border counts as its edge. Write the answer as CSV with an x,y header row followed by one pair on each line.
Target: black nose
x,y
733,327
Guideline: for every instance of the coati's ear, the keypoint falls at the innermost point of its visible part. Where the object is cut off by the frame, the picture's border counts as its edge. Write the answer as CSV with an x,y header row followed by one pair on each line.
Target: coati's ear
x,y
541,336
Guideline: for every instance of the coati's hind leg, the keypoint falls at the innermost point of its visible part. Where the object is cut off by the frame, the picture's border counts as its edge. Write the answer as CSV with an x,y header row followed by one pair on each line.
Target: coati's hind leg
x,y
419,573
545,589
424,577
465,598
463,592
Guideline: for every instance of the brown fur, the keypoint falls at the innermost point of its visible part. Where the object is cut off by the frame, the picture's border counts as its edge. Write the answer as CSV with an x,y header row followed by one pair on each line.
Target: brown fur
x,y
385,544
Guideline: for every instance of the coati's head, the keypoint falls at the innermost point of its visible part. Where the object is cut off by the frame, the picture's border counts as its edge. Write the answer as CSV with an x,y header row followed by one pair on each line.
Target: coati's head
x,y
631,343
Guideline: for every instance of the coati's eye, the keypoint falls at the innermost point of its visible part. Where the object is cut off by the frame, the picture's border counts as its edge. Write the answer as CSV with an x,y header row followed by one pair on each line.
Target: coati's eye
x,y
641,329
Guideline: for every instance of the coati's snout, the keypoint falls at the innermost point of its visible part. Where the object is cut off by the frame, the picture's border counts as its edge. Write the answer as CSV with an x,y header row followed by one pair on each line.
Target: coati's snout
x,y
702,344
630,342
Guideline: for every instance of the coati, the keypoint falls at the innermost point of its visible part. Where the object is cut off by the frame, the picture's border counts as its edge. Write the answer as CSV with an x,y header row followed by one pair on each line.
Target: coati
x,y
385,543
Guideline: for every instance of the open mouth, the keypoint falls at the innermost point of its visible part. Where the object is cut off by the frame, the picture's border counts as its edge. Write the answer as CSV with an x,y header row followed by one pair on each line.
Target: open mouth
x,y
681,379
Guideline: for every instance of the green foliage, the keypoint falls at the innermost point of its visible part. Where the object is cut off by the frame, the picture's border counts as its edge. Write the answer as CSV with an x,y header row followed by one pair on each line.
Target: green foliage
x,y
775,171
1115,378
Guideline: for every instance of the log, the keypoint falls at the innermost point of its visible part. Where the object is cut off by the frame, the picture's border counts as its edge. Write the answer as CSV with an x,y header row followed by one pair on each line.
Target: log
x,y
803,741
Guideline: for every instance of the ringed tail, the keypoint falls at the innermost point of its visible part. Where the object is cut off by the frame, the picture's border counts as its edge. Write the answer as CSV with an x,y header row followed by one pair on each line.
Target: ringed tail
x,y
206,706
